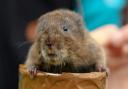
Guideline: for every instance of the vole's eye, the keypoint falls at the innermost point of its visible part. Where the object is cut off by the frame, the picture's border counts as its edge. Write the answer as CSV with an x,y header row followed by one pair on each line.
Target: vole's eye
x,y
65,28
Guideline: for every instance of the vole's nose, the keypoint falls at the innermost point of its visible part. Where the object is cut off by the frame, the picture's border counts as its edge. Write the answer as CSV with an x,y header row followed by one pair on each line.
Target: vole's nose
x,y
49,45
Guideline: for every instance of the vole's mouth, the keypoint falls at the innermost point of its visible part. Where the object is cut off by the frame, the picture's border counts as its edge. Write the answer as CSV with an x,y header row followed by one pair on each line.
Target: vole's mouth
x,y
51,55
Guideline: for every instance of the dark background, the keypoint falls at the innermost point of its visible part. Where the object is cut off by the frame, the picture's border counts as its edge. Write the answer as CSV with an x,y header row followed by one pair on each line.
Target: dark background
x,y
14,15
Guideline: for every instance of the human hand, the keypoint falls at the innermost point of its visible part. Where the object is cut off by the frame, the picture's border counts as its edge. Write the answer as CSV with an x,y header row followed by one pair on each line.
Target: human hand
x,y
117,48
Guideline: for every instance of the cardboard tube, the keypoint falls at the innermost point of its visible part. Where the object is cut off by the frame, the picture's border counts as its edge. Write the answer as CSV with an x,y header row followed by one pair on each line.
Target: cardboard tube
x,y
43,80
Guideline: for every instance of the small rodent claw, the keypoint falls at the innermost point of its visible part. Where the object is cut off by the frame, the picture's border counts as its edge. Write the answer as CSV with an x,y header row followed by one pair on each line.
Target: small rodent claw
x,y
101,68
33,71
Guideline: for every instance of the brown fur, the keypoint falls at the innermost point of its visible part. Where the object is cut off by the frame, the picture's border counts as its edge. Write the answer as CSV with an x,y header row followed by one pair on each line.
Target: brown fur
x,y
56,50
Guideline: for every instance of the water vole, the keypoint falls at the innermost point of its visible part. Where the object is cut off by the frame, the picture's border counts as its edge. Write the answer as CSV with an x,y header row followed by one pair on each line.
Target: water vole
x,y
62,44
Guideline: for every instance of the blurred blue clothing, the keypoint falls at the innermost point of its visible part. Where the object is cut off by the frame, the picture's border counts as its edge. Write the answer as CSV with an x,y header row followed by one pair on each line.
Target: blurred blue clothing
x,y
97,13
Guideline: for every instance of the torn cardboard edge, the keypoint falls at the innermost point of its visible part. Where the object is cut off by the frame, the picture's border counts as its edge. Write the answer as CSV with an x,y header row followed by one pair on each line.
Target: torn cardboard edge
x,y
43,80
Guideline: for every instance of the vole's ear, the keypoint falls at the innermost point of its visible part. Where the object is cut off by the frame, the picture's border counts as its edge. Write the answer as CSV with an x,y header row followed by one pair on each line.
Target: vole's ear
x,y
41,18
78,18
41,23
74,16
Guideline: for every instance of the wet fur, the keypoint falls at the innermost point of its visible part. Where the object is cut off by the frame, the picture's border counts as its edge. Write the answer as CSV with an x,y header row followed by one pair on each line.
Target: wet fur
x,y
75,50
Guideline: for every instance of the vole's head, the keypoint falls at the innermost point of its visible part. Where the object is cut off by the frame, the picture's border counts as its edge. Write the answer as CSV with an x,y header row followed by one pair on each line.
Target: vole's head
x,y
59,33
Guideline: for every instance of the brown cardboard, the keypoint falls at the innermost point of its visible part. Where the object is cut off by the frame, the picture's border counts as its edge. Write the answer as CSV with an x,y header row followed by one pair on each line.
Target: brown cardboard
x,y
94,80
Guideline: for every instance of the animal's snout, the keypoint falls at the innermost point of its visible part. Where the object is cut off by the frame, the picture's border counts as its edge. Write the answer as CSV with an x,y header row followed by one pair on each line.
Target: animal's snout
x,y
49,44
52,38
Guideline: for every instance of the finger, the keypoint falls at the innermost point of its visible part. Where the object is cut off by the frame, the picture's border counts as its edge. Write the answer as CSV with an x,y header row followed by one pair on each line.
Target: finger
x,y
117,39
125,50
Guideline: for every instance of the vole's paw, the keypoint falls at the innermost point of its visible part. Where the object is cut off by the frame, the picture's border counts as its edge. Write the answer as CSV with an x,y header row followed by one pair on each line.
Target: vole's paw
x,y
32,70
101,68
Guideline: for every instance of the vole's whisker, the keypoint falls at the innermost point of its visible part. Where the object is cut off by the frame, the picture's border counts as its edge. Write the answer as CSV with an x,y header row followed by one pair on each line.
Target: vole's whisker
x,y
21,44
